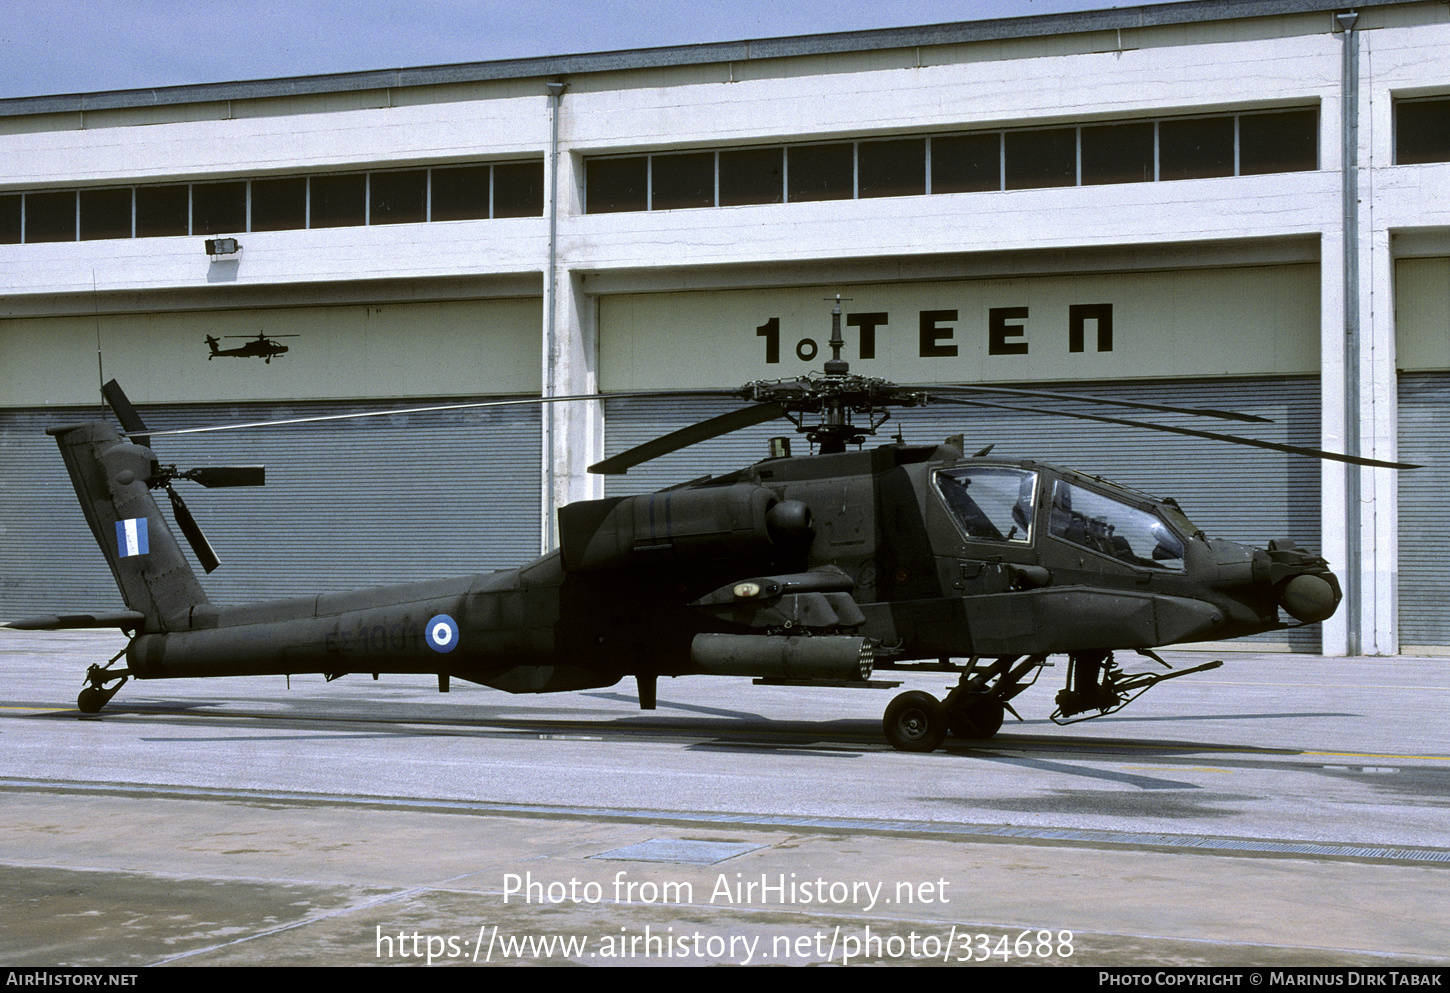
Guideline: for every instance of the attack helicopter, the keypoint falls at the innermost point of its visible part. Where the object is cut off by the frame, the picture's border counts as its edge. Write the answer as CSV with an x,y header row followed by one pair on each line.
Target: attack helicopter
x,y
816,569
260,347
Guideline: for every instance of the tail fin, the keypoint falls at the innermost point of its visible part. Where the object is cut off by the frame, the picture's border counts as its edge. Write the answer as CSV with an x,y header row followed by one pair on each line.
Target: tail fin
x,y
110,478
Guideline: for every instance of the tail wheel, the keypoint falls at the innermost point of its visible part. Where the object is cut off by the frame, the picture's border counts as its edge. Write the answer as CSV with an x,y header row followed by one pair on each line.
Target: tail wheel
x,y
97,695
915,722
93,698
976,721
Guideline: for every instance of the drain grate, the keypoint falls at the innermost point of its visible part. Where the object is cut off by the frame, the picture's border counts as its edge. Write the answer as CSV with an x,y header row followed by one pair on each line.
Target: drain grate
x,y
684,851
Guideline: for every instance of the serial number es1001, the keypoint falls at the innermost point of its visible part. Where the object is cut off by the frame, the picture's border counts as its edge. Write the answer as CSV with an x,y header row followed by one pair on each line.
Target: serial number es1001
x,y
376,639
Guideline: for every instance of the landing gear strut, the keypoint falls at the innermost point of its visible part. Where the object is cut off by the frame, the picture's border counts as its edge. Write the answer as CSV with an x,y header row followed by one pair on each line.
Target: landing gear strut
x,y
978,719
979,703
973,710
97,695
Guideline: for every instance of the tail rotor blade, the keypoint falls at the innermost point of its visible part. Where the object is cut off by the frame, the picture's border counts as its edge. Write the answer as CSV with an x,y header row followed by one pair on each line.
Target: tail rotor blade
x,y
228,475
204,553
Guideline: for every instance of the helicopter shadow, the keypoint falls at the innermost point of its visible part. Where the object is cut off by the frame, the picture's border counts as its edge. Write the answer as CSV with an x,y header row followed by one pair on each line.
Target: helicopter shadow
x,y
1283,715
1088,772
693,727
685,707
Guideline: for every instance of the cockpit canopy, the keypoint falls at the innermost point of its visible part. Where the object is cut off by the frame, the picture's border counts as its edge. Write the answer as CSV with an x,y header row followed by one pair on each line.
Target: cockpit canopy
x,y
1103,524
999,503
991,503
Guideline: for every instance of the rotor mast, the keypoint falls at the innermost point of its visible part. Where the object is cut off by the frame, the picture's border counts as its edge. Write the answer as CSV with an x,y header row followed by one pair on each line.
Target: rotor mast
x,y
834,397
835,430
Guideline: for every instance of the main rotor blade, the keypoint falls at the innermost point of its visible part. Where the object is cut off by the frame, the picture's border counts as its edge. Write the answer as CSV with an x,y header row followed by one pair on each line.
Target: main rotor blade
x,y
227,475
1228,415
472,405
685,437
192,530
1212,435
125,413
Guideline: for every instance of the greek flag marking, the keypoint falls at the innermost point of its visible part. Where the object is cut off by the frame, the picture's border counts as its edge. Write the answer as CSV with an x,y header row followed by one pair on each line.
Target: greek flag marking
x,y
442,633
131,537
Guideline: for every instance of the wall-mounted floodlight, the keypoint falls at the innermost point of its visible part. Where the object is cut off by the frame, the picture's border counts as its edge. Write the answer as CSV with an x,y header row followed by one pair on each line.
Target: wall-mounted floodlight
x,y
222,246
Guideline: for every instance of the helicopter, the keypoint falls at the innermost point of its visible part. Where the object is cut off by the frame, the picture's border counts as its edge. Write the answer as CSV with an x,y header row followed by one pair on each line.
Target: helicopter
x,y
260,347
798,570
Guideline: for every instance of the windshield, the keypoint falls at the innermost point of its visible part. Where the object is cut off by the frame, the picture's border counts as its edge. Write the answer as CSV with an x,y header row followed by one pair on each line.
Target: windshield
x,y
1103,524
991,503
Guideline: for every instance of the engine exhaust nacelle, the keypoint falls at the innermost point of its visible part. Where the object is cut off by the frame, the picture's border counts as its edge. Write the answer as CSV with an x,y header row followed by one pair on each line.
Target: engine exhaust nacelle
x,y
676,526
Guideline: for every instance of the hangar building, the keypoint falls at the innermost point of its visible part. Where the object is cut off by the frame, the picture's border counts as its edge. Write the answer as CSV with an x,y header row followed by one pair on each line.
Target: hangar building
x,y
1238,204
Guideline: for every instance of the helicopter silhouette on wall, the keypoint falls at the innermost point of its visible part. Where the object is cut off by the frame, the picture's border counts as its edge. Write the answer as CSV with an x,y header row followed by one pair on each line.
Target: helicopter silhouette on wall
x,y
260,347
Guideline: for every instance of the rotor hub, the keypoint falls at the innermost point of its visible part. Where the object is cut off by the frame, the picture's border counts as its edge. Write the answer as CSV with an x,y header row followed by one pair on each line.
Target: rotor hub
x,y
833,402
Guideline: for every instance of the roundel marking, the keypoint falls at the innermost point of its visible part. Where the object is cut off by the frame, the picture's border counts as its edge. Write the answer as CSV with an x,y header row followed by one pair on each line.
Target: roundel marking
x,y
442,633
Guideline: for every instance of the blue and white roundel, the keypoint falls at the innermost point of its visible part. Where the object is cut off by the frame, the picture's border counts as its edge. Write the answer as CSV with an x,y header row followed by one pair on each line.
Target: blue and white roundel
x,y
442,633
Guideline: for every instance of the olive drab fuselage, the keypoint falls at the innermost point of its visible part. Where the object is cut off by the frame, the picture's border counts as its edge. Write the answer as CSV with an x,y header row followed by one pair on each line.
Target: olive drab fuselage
x,y
807,569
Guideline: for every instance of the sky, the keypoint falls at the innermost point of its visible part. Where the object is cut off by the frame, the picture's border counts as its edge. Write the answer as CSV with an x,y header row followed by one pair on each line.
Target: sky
x,y
50,47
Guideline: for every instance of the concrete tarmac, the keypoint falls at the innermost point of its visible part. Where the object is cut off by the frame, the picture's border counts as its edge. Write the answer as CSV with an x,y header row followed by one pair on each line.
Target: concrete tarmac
x,y
141,861
140,881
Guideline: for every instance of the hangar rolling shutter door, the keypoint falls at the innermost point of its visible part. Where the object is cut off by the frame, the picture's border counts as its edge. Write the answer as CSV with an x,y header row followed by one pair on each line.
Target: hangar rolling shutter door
x,y
1424,539
1230,491
347,504
48,560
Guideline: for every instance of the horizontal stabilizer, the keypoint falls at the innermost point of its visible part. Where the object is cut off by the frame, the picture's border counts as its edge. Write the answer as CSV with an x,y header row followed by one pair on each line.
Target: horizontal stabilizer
x,y
126,620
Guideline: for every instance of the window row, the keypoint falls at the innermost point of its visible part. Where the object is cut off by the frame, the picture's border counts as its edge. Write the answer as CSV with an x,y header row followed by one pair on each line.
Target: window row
x,y
1422,131
235,207
1086,155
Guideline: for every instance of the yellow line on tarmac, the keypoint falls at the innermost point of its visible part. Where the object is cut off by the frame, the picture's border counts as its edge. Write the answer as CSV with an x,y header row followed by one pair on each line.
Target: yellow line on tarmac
x,y
1378,755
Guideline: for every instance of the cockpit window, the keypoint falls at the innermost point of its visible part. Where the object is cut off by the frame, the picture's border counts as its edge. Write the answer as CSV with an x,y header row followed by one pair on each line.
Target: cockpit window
x,y
991,503
1112,527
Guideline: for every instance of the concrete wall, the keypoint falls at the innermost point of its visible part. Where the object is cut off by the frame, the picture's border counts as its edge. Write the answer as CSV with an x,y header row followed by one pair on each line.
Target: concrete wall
x,y
1083,71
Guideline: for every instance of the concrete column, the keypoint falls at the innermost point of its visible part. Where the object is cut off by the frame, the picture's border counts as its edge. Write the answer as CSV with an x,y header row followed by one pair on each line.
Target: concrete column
x,y
1359,376
577,425
1368,624
573,431
1334,411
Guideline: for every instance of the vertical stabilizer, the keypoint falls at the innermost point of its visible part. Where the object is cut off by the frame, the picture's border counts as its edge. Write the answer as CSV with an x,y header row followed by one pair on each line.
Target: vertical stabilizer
x,y
111,480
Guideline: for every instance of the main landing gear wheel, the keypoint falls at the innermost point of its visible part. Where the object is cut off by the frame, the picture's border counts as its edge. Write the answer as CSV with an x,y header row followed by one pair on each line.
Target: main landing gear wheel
x,y
978,720
915,722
